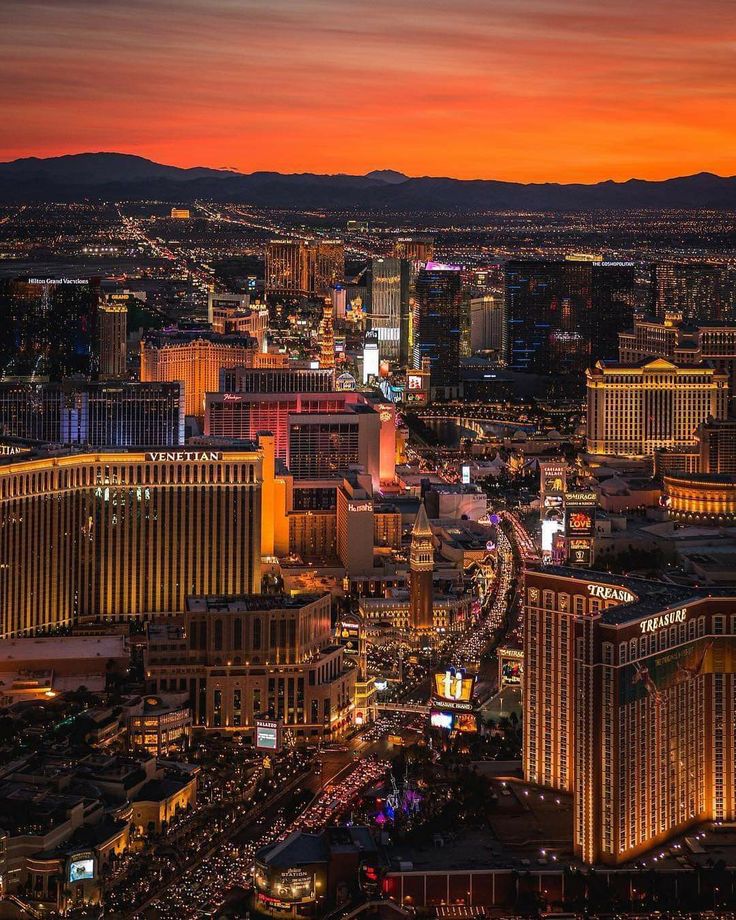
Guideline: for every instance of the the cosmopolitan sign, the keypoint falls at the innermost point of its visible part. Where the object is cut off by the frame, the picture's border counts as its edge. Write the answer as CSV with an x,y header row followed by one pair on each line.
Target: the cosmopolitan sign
x,y
654,624
183,456
607,593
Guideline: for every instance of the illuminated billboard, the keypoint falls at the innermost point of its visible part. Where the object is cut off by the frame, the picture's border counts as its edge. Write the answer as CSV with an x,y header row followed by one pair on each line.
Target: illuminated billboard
x,y
348,635
655,676
554,483
439,719
580,550
268,735
581,499
453,689
81,869
465,722
549,529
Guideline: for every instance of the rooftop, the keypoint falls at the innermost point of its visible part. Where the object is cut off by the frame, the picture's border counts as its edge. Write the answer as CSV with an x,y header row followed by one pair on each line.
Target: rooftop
x,y
243,603
650,596
62,648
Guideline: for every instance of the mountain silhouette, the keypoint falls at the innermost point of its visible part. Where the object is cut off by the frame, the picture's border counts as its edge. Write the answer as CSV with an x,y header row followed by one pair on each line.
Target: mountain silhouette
x,y
117,176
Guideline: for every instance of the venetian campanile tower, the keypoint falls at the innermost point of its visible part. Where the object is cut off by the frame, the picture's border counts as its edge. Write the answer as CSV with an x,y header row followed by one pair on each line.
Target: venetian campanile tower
x,y
421,566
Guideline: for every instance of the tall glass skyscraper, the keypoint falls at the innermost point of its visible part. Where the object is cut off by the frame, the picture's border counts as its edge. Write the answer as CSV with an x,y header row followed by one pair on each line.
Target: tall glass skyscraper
x,y
437,322
564,315
48,328
389,304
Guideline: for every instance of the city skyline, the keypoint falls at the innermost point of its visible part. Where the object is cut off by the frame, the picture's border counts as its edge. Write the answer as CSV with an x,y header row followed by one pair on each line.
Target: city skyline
x,y
512,89
367,459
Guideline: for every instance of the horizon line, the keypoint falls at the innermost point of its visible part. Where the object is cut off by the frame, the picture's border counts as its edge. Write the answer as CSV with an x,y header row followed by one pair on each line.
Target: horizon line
x,y
235,171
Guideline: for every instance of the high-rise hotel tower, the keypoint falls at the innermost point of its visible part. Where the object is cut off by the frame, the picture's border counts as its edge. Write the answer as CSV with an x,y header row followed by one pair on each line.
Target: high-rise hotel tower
x,y
629,703
126,534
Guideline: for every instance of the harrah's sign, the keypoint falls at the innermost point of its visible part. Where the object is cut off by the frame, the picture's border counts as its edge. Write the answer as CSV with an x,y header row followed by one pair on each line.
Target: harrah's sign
x,y
182,456
606,593
653,624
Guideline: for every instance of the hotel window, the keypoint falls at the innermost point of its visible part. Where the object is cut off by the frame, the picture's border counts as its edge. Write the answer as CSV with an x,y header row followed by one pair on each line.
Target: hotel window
x,y
719,624
237,633
218,635
256,633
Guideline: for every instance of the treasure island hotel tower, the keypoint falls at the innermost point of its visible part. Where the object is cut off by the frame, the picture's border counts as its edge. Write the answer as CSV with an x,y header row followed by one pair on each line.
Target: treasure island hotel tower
x,y
629,698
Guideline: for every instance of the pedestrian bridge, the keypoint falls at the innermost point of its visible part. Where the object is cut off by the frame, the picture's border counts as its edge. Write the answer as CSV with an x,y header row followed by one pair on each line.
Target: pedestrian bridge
x,y
419,708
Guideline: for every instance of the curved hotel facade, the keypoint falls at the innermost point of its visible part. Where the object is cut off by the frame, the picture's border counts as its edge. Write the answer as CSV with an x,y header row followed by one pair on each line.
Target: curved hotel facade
x,y
115,535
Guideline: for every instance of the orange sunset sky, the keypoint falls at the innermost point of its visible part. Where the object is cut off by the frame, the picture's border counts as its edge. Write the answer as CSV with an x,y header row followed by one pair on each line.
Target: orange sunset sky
x,y
527,90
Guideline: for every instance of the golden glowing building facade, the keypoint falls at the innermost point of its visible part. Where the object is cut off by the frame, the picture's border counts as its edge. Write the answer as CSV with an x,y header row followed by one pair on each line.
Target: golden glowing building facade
x,y
118,535
298,268
629,699
637,409
195,359
701,498
112,331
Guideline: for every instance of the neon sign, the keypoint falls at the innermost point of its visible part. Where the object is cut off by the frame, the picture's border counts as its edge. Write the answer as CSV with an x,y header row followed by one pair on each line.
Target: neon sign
x,y
179,456
653,624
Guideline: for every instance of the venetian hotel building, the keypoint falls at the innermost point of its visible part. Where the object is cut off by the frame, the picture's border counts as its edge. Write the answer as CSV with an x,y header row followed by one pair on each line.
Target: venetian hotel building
x,y
120,534
629,698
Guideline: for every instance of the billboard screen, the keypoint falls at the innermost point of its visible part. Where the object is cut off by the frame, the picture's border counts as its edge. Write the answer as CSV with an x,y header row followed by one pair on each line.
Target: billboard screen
x,y
511,672
549,529
438,719
580,550
349,637
554,483
453,689
81,869
580,521
656,675
466,722
267,735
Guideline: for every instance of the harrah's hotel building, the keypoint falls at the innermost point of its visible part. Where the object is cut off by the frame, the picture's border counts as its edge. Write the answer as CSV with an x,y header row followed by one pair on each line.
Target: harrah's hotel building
x,y
629,698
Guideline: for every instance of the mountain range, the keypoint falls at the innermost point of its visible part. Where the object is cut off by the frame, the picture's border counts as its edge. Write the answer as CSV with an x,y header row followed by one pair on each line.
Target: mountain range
x,y
117,176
